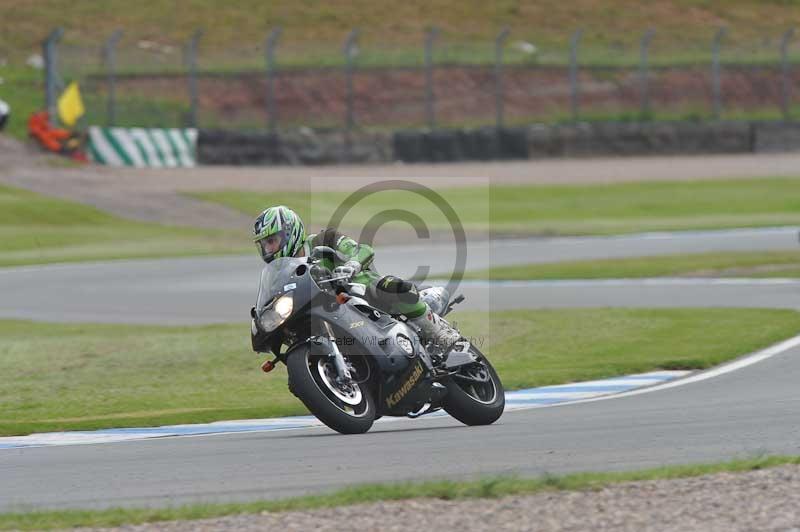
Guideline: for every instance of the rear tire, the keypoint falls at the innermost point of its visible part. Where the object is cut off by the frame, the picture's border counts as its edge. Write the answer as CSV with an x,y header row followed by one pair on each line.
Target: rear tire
x,y
475,403
308,381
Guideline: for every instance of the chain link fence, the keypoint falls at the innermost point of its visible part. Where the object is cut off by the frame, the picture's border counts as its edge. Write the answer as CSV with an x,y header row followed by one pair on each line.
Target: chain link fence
x,y
364,83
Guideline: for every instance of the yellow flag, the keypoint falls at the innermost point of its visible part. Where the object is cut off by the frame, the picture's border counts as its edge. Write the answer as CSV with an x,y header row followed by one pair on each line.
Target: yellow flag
x,y
70,105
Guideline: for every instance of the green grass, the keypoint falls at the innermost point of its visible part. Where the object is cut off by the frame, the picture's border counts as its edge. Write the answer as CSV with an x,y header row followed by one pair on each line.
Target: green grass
x,y
731,264
36,229
611,29
644,206
314,34
252,119
543,347
561,209
630,112
489,487
68,377
23,90
137,111
479,52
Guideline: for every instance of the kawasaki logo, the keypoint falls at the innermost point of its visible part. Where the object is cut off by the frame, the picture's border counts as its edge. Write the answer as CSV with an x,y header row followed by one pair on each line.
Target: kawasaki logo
x,y
397,396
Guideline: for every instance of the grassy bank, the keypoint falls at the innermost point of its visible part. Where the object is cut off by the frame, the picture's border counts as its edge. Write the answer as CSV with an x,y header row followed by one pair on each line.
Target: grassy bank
x,y
314,33
36,229
610,28
65,376
23,90
734,264
490,487
561,209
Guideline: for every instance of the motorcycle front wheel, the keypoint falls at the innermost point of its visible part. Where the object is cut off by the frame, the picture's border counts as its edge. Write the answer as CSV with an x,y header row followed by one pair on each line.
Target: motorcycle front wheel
x,y
346,408
475,395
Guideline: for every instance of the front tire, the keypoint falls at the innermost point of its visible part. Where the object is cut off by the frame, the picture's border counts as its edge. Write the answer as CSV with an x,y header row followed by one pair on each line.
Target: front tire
x,y
473,402
346,409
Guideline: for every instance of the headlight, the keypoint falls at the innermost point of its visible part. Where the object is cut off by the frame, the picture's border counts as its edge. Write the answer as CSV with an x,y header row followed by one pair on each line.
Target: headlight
x,y
284,305
272,318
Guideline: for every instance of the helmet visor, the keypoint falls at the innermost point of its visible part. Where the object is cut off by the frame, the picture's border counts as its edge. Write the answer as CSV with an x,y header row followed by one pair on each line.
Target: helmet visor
x,y
271,244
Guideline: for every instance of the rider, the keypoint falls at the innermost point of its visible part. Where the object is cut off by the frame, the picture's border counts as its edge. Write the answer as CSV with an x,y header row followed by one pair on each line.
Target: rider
x,y
279,232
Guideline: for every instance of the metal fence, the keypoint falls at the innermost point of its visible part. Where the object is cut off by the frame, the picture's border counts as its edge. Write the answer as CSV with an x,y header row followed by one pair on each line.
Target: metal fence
x,y
362,83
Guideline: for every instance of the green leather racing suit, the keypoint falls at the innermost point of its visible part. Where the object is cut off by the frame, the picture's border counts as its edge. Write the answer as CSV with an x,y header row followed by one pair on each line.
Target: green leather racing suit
x,y
389,293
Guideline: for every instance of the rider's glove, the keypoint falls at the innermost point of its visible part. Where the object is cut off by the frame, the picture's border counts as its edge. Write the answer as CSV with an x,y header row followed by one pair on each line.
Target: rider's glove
x,y
348,269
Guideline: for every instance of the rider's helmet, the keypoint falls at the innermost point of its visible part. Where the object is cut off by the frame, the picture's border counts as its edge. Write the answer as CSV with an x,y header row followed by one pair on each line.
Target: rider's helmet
x,y
278,232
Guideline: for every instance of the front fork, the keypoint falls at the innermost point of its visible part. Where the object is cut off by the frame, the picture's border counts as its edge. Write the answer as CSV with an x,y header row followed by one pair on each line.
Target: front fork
x,y
343,374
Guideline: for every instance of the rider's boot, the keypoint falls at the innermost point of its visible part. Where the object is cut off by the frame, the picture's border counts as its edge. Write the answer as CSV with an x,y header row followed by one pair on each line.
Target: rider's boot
x,y
435,329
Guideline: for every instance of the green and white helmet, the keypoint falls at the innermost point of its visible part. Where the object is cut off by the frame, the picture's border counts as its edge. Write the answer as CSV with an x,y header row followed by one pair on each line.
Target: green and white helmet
x,y
278,232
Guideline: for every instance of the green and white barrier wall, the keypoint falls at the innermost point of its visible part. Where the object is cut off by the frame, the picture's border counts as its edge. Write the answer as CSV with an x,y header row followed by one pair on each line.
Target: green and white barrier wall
x,y
189,147
141,147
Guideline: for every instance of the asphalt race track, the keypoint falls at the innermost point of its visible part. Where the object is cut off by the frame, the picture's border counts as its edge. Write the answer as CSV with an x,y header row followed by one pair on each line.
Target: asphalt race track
x,y
213,290
751,411
741,414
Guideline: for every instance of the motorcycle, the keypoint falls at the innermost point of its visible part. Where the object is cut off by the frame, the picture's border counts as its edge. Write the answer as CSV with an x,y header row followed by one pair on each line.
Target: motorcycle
x,y
351,363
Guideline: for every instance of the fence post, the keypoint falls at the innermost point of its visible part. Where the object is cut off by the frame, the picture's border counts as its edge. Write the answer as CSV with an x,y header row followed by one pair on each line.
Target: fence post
x,y
574,82
52,80
644,71
499,93
430,97
715,72
350,51
109,58
786,96
191,64
271,43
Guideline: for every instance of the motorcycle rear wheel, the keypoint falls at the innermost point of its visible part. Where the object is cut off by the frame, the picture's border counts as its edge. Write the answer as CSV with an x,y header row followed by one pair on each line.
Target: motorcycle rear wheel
x,y
473,402
348,409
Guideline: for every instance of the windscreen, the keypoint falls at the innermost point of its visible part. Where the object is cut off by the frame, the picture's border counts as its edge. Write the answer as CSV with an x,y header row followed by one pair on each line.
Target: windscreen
x,y
275,278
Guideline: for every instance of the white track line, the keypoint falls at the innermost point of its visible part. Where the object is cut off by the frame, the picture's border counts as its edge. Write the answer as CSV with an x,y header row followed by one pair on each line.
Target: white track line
x,y
639,382
644,281
740,363
514,404
782,230
515,400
